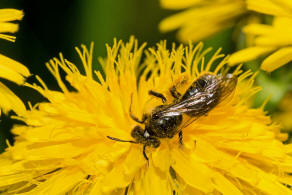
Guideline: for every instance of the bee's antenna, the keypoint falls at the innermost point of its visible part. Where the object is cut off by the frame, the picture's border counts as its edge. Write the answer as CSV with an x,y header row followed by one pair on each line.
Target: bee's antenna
x,y
120,140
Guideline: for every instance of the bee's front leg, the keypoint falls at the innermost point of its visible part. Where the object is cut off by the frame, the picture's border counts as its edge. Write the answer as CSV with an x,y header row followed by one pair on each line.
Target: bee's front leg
x,y
144,117
158,95
144,152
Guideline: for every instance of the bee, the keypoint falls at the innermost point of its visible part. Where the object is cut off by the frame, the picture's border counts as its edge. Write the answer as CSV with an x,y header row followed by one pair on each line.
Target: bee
x,y
166,120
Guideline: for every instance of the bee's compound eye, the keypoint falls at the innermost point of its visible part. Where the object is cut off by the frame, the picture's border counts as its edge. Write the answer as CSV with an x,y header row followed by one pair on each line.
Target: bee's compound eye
x,y
202,83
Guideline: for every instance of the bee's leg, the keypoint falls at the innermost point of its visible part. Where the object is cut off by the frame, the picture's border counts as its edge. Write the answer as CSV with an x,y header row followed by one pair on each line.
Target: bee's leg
x,y
156,94
180,136
174,92
172,173
138,134
138,120
126,190
144,152
144,117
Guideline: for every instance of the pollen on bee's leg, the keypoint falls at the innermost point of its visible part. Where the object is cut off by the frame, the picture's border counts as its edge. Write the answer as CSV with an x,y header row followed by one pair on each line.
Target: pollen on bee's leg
x,y
154,142
175,94
138,133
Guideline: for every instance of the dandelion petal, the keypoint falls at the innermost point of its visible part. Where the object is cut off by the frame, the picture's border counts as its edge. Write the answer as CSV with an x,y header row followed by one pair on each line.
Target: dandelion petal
x,y
248,54
194,173
8,100
121,176
60,183
277,59
12,70
153,182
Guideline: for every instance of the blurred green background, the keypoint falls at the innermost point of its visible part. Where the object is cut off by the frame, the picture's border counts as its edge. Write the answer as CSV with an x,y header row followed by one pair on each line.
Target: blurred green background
x,y
50,27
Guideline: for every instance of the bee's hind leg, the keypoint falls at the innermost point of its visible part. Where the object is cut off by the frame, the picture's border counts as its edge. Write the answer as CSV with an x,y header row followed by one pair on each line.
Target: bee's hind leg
x,y
173,90
175,94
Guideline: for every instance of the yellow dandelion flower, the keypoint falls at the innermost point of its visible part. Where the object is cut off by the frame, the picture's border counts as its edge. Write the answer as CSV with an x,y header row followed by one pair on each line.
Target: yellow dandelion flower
x,y
201,18
271,7
64,147
9,68
275,40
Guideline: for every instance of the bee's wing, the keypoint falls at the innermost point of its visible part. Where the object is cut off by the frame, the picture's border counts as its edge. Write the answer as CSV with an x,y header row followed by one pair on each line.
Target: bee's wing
x,y
187,122
227,86
195,104
202,102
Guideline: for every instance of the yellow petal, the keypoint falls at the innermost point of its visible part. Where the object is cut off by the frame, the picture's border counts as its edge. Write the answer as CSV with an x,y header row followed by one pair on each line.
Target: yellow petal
x,y
9,101
195,32
12,70
10,15
61,183
153,182
220,13
203,173
11,173
6,16
284,3
175,4
7,37
240,168
223,185
275,39
194,173
269,7
161,158
248,54
123,173
257,29
279,22
49,150
277,59
8,27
